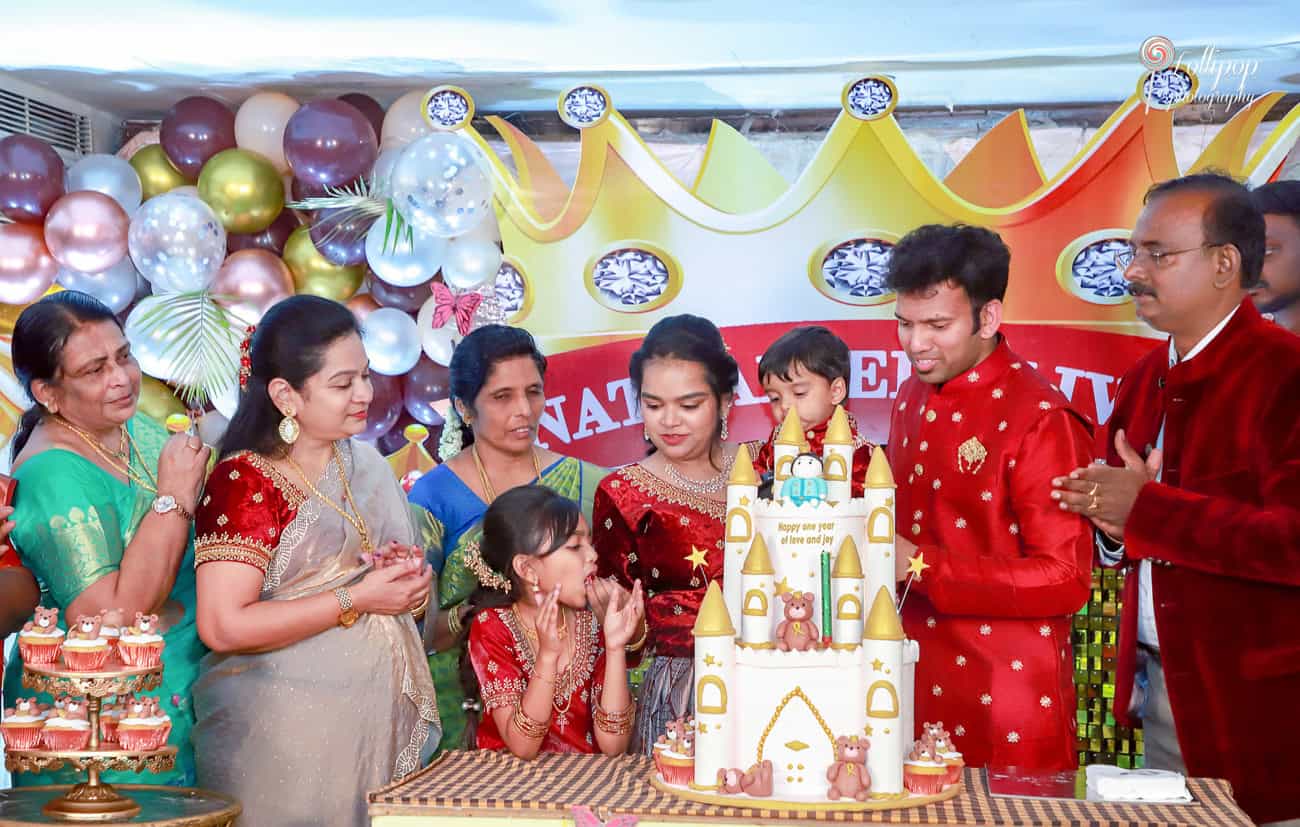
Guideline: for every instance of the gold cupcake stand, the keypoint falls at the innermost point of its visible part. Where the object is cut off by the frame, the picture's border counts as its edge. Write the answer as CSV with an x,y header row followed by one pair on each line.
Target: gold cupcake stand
x,y
92,799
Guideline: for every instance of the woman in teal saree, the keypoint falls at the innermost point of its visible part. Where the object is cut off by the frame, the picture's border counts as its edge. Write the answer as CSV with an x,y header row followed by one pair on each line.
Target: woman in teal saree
x,y
105,500
497,393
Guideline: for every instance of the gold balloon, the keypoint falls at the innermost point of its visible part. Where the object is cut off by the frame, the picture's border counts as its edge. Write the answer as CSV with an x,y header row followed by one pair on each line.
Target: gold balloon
x,y
316,275
157,175
243,189
157,400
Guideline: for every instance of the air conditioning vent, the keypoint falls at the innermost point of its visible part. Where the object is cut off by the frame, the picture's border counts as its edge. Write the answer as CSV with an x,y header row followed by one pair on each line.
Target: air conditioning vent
x,y
59,128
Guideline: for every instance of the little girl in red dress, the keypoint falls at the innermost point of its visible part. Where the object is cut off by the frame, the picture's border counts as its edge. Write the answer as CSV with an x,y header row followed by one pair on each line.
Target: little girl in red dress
x,y
552,672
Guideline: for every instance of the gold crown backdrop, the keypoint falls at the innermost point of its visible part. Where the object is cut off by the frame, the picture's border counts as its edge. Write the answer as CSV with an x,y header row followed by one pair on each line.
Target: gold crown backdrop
x,y
589,268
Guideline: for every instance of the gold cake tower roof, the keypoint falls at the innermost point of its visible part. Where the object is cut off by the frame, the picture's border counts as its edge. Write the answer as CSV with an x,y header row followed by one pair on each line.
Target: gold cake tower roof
x,y
758,561
838,431
713,619
742,471
882,622
847,561
878,473
791,431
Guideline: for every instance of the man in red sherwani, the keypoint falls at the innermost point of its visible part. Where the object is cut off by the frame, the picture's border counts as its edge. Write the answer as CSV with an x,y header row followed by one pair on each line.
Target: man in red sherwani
x,y
975,437
1202,503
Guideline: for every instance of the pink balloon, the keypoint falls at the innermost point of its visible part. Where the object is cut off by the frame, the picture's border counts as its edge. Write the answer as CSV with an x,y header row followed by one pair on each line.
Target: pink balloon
x,y
26,267
86,231
194,130
329,142
404,121
250,281
272,239
31,177
259,126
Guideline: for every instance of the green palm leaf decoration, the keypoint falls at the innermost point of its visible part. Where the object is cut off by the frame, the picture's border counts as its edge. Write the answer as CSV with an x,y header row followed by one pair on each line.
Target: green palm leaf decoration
x,y
200,339
359,199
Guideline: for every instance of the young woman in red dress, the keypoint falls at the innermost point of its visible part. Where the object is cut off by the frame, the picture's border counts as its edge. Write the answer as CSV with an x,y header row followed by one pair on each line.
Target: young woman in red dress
x,y
552,672
659,521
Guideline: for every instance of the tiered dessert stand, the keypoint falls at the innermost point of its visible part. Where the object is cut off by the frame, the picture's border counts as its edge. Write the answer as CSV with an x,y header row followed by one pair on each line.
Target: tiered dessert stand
x,y
92,799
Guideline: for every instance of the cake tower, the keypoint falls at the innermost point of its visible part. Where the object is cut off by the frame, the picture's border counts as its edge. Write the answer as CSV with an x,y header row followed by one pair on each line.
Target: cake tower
x,y
789,701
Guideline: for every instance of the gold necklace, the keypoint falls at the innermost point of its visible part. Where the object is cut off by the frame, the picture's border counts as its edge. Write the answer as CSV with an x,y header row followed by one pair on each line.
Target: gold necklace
x,y
120,459
357,522
530,632
482,472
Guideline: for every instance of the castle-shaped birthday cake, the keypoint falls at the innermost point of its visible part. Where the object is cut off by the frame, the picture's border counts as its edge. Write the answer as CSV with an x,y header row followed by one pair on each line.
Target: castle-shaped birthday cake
x,y
803,681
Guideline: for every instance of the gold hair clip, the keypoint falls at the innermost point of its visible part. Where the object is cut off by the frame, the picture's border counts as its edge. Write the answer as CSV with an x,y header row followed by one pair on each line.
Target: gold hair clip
x,y
486,576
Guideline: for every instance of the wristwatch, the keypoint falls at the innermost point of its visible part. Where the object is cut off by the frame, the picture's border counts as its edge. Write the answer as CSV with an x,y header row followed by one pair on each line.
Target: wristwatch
x,y
166,504
347,614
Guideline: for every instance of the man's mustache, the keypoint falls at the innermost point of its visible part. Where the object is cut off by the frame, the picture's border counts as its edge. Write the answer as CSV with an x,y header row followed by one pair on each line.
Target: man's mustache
x,y
1135,290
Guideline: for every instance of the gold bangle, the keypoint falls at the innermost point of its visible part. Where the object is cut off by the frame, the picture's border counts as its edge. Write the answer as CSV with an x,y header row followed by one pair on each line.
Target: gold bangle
x,y
418,611
529,727
645,633
614,723
453,620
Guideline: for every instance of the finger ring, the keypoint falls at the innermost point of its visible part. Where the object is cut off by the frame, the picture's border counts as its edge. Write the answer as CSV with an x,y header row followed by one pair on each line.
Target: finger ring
x,y
1092,505
1093,492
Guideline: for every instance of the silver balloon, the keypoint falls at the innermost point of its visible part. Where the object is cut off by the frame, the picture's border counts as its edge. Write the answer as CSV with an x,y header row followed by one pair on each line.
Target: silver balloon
x,y
410,259
110,175
437,342
392,341
383,172
470,262
150,347
441,185
177,243
115,287
487,230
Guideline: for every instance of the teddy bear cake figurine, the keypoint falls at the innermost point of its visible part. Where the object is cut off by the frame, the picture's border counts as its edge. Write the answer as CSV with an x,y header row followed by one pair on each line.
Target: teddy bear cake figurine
x,y
22,724
798,632
849,776
756,781
805,484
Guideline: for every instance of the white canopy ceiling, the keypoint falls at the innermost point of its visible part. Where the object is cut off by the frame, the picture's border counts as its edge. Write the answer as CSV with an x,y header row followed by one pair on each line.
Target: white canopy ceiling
x,y
134,59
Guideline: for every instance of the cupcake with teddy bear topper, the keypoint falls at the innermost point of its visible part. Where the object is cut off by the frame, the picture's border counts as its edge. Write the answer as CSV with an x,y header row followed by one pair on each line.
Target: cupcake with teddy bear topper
x,y
41,639
22,724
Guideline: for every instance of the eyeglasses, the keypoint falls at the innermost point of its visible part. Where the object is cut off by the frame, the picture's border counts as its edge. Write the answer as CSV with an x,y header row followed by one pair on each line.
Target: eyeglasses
x,y
1131,255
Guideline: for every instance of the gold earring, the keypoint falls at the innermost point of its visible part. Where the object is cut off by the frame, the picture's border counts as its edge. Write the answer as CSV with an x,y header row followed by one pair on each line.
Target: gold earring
x,y
289,429
724,429
537,589
645,434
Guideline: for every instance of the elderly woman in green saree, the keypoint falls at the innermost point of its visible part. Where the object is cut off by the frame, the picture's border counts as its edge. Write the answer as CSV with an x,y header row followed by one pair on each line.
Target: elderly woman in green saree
x,y
105,501
497,396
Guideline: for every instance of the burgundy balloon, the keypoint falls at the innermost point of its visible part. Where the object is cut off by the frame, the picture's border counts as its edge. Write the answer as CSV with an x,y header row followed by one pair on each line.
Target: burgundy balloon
x,y
426,383
194,130
394,440
272,238
385,407
330,142
31,178
410,299
367,106
340,235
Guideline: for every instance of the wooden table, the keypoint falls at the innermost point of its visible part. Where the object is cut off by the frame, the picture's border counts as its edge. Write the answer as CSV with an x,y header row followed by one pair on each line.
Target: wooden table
x,y
495,788
159,806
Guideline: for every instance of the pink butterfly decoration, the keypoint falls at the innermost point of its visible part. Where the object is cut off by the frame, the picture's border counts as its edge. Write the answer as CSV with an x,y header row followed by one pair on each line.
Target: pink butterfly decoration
x,y
447,304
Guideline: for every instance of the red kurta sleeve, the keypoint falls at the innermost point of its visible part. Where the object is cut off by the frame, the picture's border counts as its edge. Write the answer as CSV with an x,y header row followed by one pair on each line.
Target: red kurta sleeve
x,y
612,538
242,513
1217,533
1052,573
